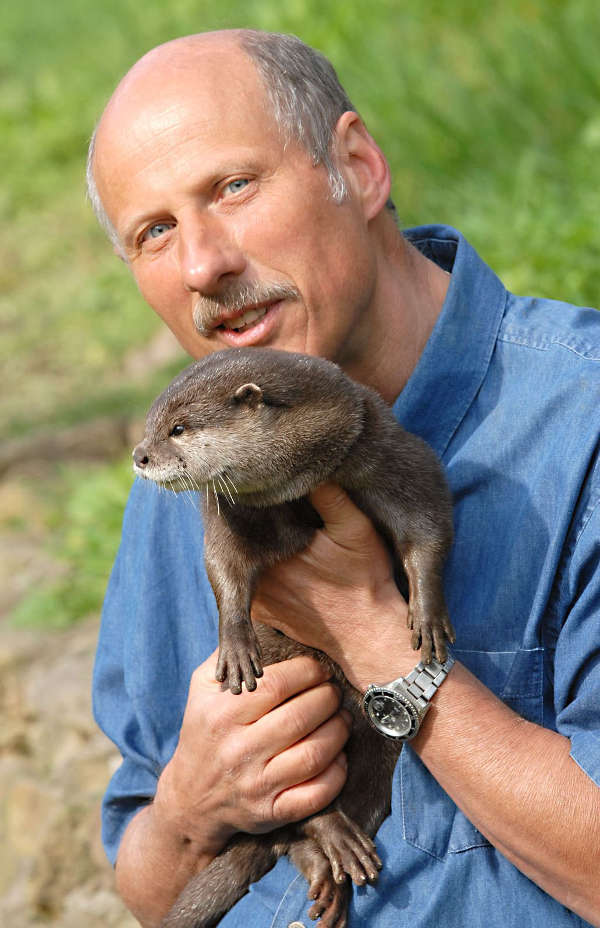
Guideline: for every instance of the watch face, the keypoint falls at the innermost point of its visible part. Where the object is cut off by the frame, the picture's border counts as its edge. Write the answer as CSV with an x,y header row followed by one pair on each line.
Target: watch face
x,y
389,715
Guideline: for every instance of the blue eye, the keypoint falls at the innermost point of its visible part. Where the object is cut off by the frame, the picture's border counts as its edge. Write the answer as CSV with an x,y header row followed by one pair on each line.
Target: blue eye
x,y
234,186
158,229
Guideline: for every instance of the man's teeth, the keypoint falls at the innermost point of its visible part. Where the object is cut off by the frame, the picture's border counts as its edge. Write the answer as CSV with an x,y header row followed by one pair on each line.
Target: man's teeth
x,y
240,322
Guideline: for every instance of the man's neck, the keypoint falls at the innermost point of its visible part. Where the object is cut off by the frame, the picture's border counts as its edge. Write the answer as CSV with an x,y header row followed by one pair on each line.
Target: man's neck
x,y
410,295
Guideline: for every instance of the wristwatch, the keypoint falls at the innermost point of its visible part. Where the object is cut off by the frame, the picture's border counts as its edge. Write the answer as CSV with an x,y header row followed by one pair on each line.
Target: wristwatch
x,y
397,709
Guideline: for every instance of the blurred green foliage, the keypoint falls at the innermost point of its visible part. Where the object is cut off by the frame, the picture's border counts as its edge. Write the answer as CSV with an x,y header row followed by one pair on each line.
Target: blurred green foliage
x,y
84,521
489,114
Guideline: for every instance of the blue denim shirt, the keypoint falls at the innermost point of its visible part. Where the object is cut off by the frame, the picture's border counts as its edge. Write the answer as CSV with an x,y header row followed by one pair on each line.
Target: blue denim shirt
x,y
507,392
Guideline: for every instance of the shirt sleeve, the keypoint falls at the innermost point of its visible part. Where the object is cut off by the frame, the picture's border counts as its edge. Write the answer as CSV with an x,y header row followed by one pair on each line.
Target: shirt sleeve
x,y
577,657
159,622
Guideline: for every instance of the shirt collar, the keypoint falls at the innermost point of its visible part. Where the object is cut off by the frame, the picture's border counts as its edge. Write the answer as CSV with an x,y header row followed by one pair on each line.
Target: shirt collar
x,y
457,355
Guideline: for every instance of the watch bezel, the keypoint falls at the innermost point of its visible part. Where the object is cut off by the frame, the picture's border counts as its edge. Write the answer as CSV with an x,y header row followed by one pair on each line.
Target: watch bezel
x,y
413,712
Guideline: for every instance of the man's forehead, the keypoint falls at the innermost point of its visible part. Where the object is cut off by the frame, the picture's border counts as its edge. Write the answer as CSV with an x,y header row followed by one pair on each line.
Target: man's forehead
x,y
188,52
217,75
209,96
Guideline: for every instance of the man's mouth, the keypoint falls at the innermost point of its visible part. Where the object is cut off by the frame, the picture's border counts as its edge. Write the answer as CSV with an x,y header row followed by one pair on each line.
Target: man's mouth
x,y
243,322
240,307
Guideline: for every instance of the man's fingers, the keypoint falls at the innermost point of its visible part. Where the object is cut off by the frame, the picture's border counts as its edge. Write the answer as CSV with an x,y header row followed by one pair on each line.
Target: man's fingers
x,y
343,521
294,720
313,795
310,756
280,683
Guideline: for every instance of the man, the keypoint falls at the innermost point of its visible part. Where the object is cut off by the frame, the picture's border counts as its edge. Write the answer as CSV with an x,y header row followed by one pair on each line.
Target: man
x,y
252,208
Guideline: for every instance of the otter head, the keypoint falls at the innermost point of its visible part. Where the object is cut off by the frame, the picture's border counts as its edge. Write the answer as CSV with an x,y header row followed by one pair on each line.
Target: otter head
x,y
256,425
190,433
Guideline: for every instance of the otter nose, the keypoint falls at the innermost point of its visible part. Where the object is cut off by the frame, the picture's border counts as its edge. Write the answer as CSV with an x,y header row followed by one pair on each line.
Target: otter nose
x,y
140,456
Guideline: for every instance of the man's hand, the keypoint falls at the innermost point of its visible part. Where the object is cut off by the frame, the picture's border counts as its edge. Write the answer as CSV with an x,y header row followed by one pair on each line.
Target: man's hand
x,y
254,761
339,595
250,762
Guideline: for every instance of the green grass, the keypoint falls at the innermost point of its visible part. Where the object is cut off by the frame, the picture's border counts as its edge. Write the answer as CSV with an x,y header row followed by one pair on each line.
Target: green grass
x,y
83,514
489,114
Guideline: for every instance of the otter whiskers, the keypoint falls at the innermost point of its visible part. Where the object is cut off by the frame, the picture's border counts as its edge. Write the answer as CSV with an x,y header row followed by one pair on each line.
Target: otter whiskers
x,y
216,495
225,486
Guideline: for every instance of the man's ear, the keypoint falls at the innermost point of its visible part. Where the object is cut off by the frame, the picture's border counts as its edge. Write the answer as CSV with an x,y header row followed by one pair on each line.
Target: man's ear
x,y
249,394
363,163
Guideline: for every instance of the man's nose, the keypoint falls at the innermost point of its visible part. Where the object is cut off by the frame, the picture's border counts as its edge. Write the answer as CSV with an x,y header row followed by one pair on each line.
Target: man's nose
x,y
207,254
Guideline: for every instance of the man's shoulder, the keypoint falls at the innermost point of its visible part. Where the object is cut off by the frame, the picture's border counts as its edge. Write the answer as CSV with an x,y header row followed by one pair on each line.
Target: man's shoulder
x,y
544,325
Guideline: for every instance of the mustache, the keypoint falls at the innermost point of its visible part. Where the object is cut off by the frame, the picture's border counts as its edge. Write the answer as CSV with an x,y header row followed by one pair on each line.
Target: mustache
x,y
235,298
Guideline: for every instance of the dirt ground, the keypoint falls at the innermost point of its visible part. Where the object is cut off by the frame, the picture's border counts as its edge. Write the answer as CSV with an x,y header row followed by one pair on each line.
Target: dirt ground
x,y
54,765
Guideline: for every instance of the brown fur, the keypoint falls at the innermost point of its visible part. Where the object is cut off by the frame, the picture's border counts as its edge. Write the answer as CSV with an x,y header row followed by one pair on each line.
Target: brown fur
x,y
258,429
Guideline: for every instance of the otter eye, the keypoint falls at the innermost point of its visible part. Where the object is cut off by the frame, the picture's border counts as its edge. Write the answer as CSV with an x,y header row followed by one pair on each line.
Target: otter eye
x,y
177,430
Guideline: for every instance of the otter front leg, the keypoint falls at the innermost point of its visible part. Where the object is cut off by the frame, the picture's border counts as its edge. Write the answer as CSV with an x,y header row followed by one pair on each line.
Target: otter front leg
x,y
427,613
420,543
239,652
240,659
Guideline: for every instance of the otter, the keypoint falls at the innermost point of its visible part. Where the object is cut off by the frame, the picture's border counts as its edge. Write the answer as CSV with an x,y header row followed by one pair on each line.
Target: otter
x,y
255,430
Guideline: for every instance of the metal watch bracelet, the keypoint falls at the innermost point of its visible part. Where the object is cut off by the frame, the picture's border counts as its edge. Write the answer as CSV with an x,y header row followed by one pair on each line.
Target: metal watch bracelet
x,y
424,681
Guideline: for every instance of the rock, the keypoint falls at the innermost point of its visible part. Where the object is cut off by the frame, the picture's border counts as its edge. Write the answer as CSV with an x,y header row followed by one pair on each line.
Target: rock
x,y
54,767
99,909
24,561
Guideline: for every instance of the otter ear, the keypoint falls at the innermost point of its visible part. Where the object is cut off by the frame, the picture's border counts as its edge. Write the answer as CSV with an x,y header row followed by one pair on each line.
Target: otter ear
x,y
250,394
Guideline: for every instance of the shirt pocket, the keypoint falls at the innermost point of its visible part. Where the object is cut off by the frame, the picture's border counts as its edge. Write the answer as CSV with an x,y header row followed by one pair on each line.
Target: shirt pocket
x,y
430,819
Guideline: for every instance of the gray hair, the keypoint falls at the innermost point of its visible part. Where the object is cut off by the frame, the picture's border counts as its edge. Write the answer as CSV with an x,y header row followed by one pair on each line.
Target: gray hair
x,y
307,100
94,197
305,93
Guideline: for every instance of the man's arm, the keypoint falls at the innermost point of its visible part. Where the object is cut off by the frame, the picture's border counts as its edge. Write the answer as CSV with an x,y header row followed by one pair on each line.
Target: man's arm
x,y
514,780
250,762
518,785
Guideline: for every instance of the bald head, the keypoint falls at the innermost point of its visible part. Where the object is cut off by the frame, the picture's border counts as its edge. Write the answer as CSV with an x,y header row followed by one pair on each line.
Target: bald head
x,y
300,90
212,58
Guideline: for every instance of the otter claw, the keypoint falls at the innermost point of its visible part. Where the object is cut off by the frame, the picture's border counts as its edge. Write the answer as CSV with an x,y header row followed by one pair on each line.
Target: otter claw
x,y
239,662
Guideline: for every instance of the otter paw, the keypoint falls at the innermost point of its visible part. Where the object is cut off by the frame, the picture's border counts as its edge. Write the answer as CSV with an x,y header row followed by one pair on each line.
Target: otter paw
x,y
348,849
239,659
330,904
430,635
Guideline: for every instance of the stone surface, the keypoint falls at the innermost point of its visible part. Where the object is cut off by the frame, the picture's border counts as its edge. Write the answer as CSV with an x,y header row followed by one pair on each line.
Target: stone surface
x,y
54,765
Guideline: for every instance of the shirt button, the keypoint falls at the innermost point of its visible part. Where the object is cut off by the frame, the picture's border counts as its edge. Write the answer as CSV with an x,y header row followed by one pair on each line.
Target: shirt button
x,y
295,925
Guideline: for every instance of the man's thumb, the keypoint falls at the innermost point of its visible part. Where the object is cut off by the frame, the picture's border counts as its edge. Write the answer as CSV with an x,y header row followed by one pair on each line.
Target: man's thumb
x,y
344,522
